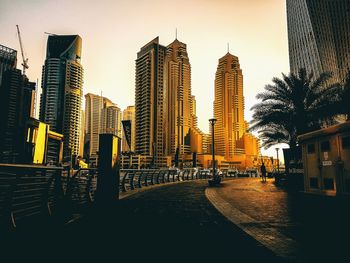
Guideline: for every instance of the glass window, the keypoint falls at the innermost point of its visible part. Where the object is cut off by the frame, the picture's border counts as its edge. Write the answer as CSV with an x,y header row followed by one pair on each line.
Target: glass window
x,y
313,182
325,146
311,148
346,142
328,183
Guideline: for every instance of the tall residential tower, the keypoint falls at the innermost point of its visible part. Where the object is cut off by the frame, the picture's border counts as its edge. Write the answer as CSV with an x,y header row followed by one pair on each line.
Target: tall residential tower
x,y
62,84
150,101
178,99
229,107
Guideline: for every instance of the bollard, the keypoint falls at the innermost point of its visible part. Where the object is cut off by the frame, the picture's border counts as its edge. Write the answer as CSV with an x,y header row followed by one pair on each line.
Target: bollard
x,y
107,190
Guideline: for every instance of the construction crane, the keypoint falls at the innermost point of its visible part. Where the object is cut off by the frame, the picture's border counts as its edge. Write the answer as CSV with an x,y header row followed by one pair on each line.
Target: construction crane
x,y
25,60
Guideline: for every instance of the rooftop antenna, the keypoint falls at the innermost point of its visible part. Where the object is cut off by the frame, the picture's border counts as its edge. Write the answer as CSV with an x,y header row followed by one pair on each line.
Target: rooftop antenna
x,y
228,47
175,33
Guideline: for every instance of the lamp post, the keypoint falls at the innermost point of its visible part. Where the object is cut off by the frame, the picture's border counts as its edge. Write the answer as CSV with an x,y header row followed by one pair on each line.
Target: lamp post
x,y
212,122
278,161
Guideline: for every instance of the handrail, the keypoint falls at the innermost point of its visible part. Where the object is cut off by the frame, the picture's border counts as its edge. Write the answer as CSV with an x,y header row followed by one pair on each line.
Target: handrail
x,y
61,192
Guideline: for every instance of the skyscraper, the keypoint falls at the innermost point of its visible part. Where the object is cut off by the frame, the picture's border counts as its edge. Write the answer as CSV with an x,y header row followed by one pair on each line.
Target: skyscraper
x,y
62,89
229,107
129,114
150,101
16,96
319,36
101,116
111,119
93,108
178,99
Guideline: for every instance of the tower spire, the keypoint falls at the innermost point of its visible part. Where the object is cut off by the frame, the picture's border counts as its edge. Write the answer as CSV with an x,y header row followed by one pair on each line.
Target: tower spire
x,y
176,33
228,47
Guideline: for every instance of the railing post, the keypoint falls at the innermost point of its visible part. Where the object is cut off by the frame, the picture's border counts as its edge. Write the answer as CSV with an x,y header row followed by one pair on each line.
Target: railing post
x,y
108,169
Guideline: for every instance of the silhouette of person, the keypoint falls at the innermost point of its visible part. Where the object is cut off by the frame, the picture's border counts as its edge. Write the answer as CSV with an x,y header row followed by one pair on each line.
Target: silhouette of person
x,y
263,172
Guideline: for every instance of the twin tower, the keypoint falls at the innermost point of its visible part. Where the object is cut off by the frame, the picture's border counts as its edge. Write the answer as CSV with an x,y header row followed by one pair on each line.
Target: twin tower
x,y
165,109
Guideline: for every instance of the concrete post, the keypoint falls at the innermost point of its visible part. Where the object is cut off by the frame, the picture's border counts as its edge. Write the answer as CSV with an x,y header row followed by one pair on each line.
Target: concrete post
x,y
108,169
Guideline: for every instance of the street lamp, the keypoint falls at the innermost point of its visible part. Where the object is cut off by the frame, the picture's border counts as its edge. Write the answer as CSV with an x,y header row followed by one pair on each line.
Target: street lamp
x,y
212,122
278,161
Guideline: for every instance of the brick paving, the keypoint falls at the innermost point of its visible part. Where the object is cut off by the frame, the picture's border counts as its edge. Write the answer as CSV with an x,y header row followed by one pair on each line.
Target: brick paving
x,y
296,226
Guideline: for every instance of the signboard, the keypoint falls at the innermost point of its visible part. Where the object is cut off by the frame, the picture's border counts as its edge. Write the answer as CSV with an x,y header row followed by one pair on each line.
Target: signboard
x,y
327,163
127,131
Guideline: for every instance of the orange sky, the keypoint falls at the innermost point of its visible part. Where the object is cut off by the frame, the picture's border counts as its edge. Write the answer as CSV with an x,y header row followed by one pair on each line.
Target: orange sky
x,y
114,30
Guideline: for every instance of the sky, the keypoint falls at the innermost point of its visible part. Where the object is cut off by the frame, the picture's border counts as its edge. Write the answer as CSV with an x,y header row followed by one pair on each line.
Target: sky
x,y
113,31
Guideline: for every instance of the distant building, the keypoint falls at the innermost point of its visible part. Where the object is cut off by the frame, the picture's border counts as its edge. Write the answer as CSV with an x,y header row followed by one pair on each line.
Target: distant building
x,y
8,60
150,98
229,107
129,114
111,120
16,95
62,90
101,116
82,134
178,99
232,141
319,36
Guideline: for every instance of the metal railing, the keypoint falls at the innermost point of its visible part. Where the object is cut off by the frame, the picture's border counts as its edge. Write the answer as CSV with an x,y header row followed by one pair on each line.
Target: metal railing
x,y
27,191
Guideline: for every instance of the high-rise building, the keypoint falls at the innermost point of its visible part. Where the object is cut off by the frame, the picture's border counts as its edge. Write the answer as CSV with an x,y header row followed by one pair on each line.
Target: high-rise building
x,y
93,108
111,120
101,116
319,36
129,114
82,134
150,101
62,89
16,95
229,107
8,60
178,99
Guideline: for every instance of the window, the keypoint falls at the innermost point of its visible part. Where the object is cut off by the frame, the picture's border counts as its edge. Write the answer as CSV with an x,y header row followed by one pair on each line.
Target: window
x,y
328,183
311,148
346,142
325,146
313,182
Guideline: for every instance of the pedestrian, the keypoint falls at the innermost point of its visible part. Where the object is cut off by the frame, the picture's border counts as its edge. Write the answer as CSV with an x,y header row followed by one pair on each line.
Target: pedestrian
x,y
263,172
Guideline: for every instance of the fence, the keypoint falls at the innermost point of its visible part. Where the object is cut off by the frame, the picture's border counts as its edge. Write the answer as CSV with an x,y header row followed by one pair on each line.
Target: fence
x,y
29,191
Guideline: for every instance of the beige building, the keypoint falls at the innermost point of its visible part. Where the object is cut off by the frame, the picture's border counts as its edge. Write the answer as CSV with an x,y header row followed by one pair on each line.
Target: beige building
x,y
129,114
101,116
150,102
229,107
178,99
231,139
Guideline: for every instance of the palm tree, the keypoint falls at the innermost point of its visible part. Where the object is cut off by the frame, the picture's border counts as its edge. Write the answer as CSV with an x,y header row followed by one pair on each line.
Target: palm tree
x,y
293,105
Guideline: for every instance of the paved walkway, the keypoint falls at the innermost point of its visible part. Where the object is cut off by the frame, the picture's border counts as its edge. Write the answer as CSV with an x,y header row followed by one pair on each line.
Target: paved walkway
x,y
169,223
295,226
177,222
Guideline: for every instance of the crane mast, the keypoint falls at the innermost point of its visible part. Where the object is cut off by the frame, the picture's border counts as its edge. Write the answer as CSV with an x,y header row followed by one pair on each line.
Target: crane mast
x,y
25,60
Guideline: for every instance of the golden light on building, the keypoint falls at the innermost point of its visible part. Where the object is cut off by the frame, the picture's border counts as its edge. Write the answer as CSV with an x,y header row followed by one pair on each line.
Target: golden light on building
x,y
231,139
178,98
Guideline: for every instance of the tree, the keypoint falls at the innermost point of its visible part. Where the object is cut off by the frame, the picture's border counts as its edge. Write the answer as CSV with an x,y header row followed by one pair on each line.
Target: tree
x,y
293,105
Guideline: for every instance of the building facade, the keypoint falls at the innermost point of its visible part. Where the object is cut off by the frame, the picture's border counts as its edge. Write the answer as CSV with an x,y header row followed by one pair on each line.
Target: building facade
x,y
150,104
16,95
101,116
229,107
319,36
129,114
62,90
178,99
8,60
